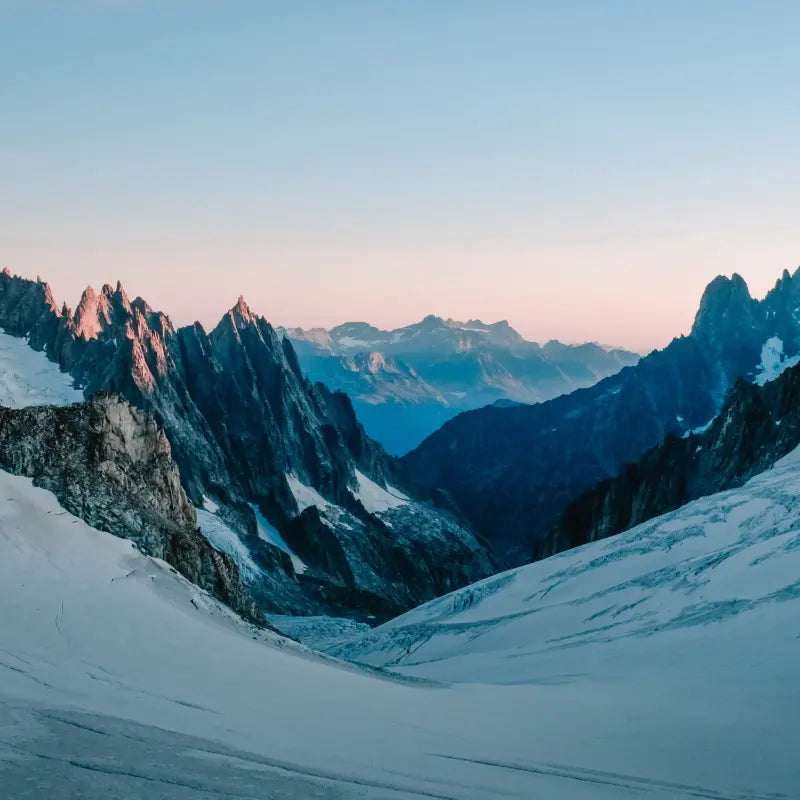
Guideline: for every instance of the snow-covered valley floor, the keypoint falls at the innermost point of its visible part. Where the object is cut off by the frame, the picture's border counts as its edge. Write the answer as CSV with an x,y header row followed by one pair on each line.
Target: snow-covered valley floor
x,y
659,664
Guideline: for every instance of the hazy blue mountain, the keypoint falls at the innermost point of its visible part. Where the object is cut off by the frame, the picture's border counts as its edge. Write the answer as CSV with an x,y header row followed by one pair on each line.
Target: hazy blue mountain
x,y
407,382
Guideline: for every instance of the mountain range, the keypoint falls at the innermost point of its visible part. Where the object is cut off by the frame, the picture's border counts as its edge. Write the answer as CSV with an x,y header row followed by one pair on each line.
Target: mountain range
x,y
513,471
177,503
405,383
279,472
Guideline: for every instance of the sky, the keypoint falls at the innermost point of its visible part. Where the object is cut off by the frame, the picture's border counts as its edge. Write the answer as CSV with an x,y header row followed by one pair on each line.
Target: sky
x,y
582,169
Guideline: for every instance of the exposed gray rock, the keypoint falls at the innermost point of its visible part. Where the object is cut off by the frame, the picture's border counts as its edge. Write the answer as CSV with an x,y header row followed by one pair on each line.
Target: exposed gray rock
x,y
111,465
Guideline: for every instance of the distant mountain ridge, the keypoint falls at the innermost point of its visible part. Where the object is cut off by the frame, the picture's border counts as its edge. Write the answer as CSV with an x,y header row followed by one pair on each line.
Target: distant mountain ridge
x,y
513,471
406,382
281,472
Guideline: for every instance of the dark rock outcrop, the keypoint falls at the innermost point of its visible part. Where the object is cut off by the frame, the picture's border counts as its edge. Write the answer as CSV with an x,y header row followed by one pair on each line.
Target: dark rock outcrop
x,y
756,426
111,465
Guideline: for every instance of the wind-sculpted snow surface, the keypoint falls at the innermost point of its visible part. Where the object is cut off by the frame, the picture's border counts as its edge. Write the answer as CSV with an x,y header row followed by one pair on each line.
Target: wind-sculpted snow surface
x,y
697,588
118,678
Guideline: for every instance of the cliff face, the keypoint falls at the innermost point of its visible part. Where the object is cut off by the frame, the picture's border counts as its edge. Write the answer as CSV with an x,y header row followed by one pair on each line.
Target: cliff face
x,y
111,465
756,426
249,431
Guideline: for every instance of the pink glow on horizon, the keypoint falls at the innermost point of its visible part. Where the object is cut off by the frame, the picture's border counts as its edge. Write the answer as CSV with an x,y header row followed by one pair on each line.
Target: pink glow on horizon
x,y
586,295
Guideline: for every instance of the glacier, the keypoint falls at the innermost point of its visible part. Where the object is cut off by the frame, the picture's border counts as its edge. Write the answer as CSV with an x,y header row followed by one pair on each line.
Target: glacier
x,y
658,664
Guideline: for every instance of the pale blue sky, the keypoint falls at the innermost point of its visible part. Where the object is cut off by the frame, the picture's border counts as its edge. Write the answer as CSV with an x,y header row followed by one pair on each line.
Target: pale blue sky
x,y
582,169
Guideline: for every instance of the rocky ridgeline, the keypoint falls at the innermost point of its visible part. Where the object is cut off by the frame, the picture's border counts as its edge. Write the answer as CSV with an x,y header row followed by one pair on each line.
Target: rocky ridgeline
x,y
241,418
514,471
111,465
756,426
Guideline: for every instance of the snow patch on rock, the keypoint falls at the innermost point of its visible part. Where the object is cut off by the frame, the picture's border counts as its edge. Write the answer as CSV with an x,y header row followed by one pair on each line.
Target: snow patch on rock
x,y
773,361
269,533
209,505
29,378
224,538
305,496
375,498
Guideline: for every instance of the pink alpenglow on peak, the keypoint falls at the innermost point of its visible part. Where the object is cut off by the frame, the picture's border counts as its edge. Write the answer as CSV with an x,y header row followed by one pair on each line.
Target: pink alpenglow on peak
x,y
241,312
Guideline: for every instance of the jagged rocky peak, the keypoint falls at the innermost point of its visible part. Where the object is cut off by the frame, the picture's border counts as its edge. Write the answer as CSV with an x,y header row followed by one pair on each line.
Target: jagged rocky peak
x,y
242,326
431,322
241,313
156,321
141,305
243,421
93,314
119,298
48,296
789,281
783,302
730,327
726,304
27,309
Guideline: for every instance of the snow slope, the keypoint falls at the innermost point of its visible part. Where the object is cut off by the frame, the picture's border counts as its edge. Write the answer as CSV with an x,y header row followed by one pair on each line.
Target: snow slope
x,y
375,498
118,678
687,623
269,533
29,378
305,496
224,538
700,583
